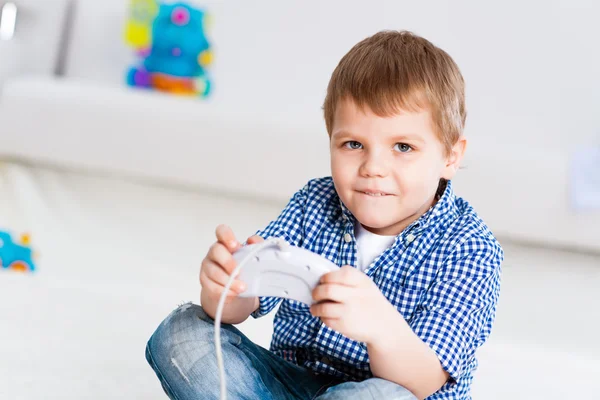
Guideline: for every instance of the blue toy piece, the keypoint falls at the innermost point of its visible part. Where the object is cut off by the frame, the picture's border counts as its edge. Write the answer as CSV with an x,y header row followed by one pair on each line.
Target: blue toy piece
x,y
15,256
178,51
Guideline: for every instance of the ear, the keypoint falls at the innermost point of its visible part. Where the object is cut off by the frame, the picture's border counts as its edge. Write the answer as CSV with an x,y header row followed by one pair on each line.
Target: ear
x,y
454,158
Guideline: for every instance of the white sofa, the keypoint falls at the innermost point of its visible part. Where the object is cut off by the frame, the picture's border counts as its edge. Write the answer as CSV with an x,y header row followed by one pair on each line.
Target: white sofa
x,y
82,152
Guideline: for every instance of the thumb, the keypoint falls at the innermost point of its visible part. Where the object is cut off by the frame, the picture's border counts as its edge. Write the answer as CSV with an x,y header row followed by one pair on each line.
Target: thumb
x,y
255,239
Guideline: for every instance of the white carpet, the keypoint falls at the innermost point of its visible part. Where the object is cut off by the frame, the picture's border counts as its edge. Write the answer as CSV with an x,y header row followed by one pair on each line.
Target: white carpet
x,y
116,257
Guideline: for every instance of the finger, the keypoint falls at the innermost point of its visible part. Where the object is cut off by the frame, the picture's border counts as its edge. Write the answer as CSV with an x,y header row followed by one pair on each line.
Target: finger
x,y
255,239
347,276
327,310
221,256
332,292
217,275
226,236
215,290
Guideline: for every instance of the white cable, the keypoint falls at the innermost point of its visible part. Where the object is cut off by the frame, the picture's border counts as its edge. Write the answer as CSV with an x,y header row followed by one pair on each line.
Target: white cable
x,y
282,245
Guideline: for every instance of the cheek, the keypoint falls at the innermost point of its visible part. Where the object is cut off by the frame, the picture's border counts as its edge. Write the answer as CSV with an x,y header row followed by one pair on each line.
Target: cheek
x,y
340,167
337,173
418,176
335,165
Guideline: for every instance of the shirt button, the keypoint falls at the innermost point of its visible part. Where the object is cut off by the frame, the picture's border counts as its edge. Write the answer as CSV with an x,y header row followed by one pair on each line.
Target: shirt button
x,y
325,360
347,238
410,238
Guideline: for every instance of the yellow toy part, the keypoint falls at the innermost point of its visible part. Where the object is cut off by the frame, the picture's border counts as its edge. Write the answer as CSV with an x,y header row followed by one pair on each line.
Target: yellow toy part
x,y
205,58
208,21
138,35
138,29
25,239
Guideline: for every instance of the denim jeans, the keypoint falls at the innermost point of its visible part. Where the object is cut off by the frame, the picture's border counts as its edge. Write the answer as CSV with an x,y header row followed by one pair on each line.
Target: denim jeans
x,y
182,354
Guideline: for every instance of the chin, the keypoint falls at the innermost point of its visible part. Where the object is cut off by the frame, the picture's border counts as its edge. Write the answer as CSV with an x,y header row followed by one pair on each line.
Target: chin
x,y
373,222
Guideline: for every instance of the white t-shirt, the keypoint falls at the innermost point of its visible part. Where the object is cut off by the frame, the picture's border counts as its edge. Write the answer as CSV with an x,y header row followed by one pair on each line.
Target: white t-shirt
x,y
369,245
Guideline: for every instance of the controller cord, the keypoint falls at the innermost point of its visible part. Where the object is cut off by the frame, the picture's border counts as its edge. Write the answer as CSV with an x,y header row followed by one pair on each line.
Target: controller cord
x,y
283,245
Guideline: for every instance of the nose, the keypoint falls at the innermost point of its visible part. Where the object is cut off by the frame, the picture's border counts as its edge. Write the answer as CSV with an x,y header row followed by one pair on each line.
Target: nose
x,y
374,164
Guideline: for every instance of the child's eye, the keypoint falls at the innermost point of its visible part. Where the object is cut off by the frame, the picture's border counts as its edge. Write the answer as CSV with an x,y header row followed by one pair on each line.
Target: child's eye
x,y
353,145
403,147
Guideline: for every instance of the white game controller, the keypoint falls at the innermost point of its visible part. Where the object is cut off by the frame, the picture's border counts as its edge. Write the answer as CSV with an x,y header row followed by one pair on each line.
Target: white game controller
x,y
278,269
271,268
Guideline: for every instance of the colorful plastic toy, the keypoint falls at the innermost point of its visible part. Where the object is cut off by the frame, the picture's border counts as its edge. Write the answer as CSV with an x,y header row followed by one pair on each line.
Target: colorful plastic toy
x,y
170,40
138,30
15,256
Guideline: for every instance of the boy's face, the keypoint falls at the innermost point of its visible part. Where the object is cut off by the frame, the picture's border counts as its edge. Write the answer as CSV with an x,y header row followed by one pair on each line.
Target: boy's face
x,y
399,156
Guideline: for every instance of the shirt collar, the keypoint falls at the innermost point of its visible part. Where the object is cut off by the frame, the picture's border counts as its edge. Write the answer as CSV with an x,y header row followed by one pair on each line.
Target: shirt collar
x,y
443,211
346,213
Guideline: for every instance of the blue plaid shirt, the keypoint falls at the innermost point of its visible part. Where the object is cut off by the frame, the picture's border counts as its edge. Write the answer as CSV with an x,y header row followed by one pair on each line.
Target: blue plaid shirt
x,y
442,274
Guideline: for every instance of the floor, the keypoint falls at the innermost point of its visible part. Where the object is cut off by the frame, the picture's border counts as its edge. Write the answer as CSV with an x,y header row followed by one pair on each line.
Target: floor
x,y
115,257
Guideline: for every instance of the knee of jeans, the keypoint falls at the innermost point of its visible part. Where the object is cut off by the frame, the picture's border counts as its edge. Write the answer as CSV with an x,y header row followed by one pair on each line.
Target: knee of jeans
x,y
199,311
373,388
185,336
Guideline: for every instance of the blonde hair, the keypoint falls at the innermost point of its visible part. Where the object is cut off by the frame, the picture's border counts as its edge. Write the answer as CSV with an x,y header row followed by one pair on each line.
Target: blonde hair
x,y
398,70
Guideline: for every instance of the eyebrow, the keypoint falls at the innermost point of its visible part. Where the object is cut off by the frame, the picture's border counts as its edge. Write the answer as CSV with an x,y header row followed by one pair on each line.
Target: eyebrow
x,y
397,138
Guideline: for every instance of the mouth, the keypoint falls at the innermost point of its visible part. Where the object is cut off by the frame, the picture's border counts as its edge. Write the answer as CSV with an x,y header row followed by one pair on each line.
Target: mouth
x,y
372,193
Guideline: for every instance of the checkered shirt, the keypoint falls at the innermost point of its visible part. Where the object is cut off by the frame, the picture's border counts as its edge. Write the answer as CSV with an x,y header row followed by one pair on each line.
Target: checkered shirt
x,y
442,274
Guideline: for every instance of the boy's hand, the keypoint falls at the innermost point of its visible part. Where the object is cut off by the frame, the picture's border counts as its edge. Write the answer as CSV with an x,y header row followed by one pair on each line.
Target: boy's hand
x,y
218,265
351,304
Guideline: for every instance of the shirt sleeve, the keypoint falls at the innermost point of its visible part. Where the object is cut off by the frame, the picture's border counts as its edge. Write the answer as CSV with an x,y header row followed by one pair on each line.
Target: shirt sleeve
x,y
458,310
289,225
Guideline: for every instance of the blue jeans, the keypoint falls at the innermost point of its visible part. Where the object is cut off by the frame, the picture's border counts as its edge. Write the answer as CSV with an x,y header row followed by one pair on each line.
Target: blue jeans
x,y
182,354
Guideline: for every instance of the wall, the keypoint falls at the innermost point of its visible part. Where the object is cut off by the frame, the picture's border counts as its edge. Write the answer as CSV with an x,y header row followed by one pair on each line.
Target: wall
x,y
532,93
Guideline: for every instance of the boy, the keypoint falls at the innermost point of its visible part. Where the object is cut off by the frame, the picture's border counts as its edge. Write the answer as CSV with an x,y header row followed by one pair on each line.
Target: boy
x,y
419,281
